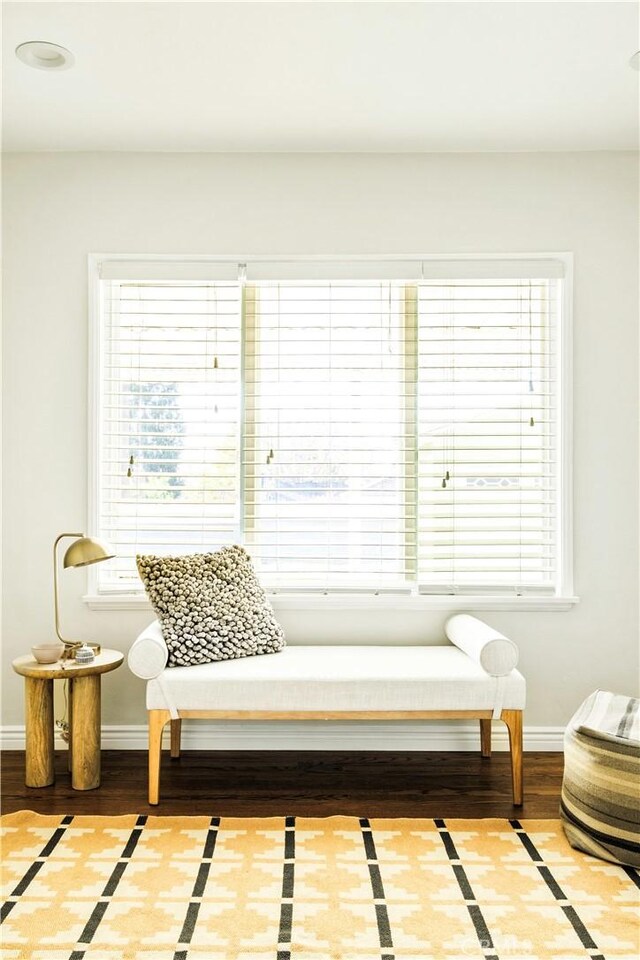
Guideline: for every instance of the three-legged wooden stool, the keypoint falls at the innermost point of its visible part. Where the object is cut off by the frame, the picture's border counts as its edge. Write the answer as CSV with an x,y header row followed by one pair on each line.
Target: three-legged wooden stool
x,y
84,717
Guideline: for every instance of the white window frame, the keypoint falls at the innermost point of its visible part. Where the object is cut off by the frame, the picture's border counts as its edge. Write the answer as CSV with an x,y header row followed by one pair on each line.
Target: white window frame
x,y
564,599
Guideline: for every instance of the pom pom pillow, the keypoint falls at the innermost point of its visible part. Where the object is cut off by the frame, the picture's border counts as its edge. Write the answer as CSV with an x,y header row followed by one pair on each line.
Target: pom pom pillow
x,y
210,606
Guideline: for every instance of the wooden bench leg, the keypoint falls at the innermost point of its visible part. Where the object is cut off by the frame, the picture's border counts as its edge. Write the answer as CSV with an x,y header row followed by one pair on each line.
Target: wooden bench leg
x,y
176,730
485,738
158,719
513,720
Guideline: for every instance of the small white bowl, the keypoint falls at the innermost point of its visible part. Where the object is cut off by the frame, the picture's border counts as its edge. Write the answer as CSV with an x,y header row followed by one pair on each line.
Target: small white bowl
x,y
47,652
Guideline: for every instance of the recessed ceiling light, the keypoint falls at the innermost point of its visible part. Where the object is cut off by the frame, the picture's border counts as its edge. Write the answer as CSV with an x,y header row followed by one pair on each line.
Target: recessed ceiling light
x,y
635,61
44,56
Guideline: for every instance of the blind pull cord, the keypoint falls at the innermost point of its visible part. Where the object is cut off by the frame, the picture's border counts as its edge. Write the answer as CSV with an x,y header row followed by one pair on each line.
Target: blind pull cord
x,y
215,347
531,388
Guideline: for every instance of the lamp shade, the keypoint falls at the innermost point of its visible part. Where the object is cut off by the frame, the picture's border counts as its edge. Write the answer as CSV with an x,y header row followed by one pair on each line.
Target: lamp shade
x,y
87,550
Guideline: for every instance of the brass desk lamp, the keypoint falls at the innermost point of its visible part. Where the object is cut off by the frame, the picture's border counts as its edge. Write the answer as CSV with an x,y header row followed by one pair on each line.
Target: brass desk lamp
x,y
82,552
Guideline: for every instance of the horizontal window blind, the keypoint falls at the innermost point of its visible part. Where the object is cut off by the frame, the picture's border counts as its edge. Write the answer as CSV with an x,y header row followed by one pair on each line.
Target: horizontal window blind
x,y
169,432
327,455
487,425
388,425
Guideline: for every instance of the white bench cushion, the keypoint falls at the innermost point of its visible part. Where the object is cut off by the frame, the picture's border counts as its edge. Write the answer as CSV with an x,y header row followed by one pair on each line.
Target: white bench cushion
x,y
338,678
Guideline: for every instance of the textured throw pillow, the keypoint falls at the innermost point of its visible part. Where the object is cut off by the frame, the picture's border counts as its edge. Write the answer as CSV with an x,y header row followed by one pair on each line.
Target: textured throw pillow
x,y
210,606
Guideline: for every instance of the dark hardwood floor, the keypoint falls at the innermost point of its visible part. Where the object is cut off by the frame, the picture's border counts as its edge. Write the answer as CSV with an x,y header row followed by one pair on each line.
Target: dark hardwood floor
x,y
312,783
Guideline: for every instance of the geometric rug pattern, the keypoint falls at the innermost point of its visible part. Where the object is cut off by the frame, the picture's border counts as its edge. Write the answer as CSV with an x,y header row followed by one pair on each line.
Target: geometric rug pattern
x,y
285,888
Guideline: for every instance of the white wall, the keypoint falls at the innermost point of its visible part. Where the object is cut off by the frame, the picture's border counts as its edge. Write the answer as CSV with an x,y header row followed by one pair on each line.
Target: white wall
x,y
59,207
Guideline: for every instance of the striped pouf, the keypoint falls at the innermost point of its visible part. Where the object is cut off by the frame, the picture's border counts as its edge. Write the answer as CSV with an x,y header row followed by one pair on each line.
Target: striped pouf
x,y
600,806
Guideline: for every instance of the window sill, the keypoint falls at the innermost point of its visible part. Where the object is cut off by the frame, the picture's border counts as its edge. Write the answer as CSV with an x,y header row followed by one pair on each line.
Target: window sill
x,y
384,601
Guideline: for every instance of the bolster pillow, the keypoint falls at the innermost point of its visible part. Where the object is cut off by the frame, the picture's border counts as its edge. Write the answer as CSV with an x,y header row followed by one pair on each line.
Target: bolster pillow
x,y
148,654
495,653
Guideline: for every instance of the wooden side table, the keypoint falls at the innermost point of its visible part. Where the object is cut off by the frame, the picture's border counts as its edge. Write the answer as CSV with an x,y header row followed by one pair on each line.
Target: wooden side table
x,y
84,717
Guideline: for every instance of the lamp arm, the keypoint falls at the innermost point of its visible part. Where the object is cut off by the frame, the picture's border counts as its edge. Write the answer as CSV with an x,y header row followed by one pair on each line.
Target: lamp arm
x,y
55,586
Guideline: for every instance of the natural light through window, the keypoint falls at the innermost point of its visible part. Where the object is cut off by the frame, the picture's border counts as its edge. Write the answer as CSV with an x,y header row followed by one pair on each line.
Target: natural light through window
x,y
355,432
326,500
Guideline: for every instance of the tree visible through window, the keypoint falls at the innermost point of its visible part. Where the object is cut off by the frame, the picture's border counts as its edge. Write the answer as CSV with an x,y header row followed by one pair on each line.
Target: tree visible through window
x,y
159,426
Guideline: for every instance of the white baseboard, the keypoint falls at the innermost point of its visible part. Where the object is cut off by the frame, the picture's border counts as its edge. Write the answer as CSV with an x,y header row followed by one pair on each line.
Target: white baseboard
x,y
277,735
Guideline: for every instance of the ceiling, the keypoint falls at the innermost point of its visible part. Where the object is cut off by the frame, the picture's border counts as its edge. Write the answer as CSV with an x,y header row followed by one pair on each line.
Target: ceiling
x,y
362,77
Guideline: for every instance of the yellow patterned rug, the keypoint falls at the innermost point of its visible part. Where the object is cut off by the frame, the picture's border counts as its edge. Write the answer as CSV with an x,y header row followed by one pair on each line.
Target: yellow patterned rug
x,y
210,888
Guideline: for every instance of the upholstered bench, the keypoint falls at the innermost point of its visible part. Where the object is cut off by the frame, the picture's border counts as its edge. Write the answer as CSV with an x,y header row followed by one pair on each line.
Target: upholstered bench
x,y
473,677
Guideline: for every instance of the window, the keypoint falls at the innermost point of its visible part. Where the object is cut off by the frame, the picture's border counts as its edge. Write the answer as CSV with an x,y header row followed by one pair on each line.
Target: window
x,y
386,426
